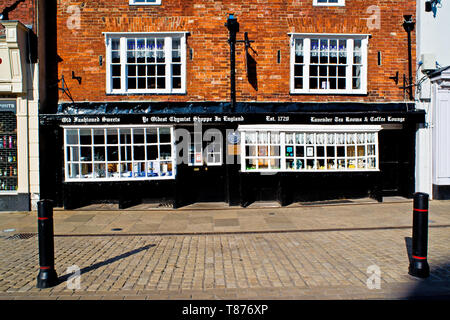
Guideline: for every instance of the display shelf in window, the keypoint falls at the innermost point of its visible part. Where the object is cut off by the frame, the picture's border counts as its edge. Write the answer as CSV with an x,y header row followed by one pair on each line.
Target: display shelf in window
x,y
120,153
8,152
309,148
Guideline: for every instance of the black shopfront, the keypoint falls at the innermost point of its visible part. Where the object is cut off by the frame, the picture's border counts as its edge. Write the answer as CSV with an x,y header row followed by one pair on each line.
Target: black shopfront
x,y
175,154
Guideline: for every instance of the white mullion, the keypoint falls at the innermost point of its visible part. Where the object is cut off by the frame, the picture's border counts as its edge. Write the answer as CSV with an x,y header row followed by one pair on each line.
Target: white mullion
x,y
65,155
243,154
292,64
173,151
183,46
364,62
123,64
168,61
306,62
349,68
145,152
120,152
158,145
79,152
282,150
376,151
108,59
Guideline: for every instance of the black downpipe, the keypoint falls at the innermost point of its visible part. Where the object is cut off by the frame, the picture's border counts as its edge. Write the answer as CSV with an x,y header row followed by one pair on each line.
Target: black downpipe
x,y
408,25
233,28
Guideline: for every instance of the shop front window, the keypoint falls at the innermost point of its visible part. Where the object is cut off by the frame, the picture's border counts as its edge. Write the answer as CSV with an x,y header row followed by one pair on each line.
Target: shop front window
x,y
303,148
122,153
8,152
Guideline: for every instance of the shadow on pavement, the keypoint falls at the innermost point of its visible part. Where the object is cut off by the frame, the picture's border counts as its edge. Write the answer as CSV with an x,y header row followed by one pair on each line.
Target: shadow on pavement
x,y
435,287
105,262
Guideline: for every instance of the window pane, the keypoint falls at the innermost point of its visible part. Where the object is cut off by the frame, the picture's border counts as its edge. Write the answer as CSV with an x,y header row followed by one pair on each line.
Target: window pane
x,y
85,137
131,83
152,152
139,153
113,153
161,83
164,135
111,136
298,83
176,69
86,154
125,136
138,135
115,57
72,136
176,83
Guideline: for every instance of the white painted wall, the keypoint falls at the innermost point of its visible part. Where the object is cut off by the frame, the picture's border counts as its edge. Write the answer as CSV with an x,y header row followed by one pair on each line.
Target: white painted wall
x,y
433,37
433,33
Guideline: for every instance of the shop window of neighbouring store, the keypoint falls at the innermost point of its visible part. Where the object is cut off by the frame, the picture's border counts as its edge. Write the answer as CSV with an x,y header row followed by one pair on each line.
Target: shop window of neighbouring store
x,y
146,63
314,149
119,153
328,64
8,152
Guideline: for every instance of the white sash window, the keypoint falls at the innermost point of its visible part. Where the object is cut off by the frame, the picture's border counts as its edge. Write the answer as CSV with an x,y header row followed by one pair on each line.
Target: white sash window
x,y
328,64
152,63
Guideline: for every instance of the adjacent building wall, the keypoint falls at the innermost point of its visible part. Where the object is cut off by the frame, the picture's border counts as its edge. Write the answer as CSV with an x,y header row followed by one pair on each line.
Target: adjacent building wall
x,y
432,38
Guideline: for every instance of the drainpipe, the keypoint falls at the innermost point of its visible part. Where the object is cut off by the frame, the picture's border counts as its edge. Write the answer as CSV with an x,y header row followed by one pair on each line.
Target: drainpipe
x,y
408,25
233,28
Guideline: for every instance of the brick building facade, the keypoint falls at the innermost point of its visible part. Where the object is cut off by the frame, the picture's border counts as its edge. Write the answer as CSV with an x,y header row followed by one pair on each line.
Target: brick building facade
x,y
268,23
318,101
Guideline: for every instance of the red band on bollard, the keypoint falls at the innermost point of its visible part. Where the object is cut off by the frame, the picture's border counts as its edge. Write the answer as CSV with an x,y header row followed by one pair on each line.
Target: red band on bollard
x,y
44,268
420,258
421,210
42,218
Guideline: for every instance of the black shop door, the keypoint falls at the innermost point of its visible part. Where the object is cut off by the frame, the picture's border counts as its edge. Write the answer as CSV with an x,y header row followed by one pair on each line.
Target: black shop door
x,y
201,184
396,150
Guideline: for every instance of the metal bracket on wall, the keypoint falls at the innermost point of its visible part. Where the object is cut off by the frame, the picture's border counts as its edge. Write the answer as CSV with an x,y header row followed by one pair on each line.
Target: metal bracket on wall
x,y
64,88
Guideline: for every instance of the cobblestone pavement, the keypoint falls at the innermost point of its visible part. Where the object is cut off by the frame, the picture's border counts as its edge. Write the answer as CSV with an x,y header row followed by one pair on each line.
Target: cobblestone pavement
x,y
277,253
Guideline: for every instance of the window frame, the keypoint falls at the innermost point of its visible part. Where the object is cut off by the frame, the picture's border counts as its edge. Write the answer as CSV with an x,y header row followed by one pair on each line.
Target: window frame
x,y
155,3
350,38
339,3
123,37
314,129
204,153
131,146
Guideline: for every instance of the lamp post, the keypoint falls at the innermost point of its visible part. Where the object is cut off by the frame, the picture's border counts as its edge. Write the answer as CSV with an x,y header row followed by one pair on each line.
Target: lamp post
x,y
233,28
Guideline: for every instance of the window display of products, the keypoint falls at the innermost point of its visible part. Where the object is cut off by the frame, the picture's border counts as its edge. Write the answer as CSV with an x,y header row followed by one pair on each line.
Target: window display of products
x,y
8,152
303,148
123,153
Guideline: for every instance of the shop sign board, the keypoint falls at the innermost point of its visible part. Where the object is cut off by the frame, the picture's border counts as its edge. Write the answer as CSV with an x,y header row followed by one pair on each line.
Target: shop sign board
x,y
237,119
8,106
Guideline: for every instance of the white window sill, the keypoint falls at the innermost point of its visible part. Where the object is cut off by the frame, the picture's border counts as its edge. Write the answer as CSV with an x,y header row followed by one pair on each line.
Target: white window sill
x,y
157,3
172,177
129,92
340,3
312,170
330,92
9,193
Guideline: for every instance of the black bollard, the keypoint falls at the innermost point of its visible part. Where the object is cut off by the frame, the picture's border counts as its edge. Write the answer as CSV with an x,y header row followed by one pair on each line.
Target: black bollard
x,y
47,275
418,266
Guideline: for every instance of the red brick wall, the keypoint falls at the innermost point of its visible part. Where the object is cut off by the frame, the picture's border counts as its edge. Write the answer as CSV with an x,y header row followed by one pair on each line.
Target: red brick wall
x,y
24,12
267,22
